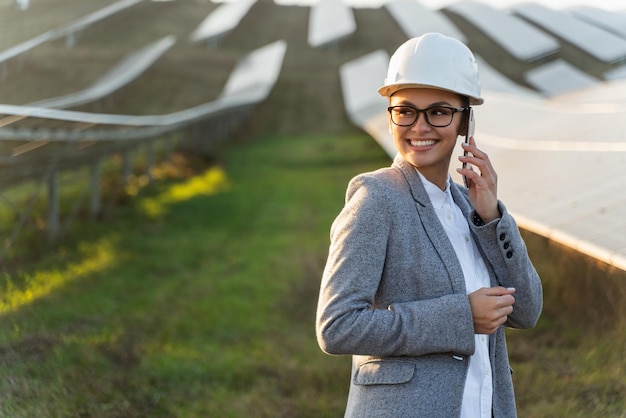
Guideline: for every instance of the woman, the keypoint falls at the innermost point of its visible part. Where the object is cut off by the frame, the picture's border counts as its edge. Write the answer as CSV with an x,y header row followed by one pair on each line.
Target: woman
x,y
422,273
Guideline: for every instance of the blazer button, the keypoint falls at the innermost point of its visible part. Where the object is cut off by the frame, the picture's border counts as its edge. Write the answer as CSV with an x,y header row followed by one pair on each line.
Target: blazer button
x,y
506,245
502,236
509,254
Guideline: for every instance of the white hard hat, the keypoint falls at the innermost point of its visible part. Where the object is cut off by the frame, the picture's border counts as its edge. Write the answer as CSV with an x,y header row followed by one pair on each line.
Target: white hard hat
x,y
436,61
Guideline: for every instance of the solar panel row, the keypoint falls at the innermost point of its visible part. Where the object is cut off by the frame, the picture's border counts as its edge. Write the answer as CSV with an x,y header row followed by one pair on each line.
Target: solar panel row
x,y
561,158
533,136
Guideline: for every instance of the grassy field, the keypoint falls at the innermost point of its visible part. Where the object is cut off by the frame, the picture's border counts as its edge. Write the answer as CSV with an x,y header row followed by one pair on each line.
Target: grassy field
x,y
195,295
197,299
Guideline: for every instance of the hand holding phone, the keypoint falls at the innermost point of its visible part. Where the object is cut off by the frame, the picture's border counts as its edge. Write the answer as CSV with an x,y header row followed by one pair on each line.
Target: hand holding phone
x,y
470,133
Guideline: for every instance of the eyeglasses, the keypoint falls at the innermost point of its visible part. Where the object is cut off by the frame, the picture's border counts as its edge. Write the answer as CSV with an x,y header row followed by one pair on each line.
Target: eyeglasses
x,y
436,116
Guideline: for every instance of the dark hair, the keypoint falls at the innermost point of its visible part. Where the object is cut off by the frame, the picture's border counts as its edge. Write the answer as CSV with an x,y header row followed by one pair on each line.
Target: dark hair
x,y
465,101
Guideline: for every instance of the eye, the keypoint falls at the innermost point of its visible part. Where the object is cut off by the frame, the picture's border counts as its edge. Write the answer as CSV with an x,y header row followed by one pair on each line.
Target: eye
x,y
404,111
439,111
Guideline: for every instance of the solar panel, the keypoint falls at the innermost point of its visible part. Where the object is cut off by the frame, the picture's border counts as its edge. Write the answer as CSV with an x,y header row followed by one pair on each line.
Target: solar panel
x,y
521,39
360,80
221,20
330,21
557,77
123,73
415,19
612,21
597,42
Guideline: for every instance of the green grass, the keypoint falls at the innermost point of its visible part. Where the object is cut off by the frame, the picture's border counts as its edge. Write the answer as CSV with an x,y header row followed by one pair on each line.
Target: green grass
x,y
202,308
197,299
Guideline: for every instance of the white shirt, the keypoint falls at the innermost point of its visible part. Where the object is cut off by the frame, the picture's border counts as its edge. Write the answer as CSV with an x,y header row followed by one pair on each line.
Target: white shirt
x,y
477,396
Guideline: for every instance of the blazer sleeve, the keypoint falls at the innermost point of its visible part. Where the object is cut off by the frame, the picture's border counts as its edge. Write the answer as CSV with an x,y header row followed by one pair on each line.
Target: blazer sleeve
x,y
505,250
349,318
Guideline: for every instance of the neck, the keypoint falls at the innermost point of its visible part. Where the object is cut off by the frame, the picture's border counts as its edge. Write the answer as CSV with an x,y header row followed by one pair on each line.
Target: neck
x,y
438,179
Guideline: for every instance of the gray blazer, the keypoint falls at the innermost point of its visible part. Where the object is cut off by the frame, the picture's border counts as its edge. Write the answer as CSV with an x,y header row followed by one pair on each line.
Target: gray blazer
x,y
393,296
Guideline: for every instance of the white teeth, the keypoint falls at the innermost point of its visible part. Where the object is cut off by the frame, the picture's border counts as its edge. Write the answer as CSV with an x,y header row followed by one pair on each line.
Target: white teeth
x,y
416,143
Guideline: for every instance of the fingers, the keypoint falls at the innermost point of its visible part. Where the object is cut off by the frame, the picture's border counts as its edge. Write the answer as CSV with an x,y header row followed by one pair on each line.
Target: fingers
x,y
479,159
492,326
497,291
491,308
483,183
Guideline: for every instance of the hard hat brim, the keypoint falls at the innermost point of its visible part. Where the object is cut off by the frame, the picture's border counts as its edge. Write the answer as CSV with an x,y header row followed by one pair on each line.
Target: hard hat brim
x,y
389,90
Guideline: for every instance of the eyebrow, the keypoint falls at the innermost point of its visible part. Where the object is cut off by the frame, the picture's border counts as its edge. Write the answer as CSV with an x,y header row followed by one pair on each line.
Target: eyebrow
x,y
435,104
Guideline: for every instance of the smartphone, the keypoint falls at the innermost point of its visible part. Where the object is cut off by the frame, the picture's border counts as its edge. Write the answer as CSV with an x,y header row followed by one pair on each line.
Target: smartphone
x,y
470,132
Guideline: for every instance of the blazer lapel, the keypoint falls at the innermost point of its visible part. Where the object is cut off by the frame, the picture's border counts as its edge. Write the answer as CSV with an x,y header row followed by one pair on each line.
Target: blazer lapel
x,y
430,222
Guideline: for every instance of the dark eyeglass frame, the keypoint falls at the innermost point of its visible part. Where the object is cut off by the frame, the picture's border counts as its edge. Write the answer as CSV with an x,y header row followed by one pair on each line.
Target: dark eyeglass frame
x,y
425,111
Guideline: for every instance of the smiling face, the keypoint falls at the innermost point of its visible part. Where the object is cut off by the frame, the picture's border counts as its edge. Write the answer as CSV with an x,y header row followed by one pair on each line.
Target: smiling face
x,y
426,147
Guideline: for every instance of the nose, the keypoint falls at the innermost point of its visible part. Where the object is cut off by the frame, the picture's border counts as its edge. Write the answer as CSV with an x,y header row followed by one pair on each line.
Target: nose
x,y
420,123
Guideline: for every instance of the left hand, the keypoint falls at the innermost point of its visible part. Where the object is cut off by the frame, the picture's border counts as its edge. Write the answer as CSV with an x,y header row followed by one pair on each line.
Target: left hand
x,y
482,185
491,307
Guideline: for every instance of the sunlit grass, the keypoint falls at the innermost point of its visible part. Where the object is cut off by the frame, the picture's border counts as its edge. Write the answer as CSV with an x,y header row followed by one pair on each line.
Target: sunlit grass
x,y
213,181
26,288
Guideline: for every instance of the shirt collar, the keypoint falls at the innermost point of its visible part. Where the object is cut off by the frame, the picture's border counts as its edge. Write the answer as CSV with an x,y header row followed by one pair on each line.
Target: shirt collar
x,y
437,196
